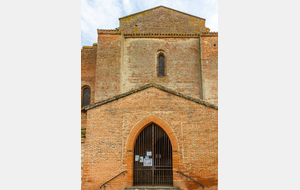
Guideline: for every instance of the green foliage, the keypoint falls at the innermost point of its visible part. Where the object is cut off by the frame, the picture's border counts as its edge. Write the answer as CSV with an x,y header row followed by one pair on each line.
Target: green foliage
x,y
83,132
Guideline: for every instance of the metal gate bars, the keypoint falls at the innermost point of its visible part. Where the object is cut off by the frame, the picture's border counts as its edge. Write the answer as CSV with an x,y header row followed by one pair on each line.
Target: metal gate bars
x,y
153,157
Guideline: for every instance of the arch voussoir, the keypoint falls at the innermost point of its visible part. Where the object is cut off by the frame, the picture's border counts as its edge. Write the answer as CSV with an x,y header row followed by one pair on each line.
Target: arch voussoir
x,y
133,136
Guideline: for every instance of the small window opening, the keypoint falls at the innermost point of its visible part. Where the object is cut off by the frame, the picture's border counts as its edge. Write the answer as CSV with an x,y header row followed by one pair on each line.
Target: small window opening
x,y
161,65
86,97
214,44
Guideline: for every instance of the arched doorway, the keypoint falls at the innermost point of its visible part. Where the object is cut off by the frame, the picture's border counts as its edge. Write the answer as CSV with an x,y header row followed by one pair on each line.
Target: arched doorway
x,y
153,164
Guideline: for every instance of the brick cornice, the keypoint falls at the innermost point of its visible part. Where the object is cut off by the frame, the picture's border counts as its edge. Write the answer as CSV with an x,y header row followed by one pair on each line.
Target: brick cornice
x,y
177,35
87,47
100,103
164,35
109,31
209,34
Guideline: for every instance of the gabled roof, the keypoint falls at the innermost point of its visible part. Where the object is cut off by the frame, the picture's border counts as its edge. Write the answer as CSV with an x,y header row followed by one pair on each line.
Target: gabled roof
x,y
159,7
143,88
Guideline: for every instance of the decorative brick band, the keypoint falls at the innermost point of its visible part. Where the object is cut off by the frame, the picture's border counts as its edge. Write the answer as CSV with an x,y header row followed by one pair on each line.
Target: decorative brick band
x,y
143,88
145,35
116,31
108,31
209,34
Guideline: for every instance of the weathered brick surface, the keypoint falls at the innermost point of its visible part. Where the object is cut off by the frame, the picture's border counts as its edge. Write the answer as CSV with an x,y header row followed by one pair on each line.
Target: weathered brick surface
x,y
113,127
88,68
82,155
126,59
182,66
161,20
209,60
83,119
108,65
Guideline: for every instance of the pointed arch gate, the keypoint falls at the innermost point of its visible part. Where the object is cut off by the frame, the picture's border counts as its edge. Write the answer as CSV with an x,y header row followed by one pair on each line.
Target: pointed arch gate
x,y
153,164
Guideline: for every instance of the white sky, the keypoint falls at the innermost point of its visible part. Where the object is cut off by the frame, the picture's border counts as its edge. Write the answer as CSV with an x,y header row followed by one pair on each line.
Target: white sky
x,y
104,14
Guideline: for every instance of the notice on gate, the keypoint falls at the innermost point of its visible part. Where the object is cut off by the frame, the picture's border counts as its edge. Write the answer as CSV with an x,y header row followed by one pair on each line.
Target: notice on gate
x,y
148,162
141,158
137,157
149,153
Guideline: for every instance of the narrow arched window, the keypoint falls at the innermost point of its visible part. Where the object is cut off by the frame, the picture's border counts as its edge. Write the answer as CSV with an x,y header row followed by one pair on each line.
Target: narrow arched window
x,y
86,97
161,65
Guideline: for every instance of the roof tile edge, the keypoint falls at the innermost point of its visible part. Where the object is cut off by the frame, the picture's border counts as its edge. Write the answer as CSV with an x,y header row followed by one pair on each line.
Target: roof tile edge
x,y
100,103
87,47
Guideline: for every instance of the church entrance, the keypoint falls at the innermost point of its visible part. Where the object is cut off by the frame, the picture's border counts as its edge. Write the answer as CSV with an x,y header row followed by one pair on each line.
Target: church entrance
x,y
153,157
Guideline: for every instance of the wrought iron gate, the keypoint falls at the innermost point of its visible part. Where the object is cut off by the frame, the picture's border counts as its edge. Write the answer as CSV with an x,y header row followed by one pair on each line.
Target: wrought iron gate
x,y
153,157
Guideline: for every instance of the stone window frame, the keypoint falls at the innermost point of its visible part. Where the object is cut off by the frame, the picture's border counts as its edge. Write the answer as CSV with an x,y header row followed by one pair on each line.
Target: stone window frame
x,y
82,90
158,53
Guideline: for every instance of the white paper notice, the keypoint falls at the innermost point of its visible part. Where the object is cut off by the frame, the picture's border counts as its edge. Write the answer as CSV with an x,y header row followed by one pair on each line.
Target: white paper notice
x,y
148,162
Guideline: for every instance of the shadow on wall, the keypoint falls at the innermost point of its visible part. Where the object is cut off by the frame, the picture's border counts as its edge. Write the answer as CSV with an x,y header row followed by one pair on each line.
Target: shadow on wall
x,y
208,183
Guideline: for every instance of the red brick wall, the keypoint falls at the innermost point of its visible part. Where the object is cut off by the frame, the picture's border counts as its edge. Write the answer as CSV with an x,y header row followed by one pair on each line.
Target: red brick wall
x,y
83,119
209,60
181,59
108,65
103,71
88,68
161,20
82,155
192,128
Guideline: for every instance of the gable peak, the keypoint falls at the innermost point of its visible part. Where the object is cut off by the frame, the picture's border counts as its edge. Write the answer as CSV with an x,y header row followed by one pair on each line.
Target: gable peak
x,y
160,6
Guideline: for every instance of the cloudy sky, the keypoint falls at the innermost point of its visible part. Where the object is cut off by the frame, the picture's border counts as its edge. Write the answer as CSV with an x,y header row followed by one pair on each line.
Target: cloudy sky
x,y
105,14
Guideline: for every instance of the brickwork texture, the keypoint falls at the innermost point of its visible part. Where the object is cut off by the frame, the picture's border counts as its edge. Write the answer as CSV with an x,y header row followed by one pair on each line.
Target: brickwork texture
x,y
161,20
88,69
125,59
182,67
108,66
209,60
112,129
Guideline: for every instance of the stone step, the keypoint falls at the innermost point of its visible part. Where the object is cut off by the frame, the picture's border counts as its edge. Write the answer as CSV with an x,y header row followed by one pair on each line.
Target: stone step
x,y
152,188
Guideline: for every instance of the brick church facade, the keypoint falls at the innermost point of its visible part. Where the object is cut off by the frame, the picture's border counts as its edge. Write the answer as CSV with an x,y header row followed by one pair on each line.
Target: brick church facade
x,y
149,103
